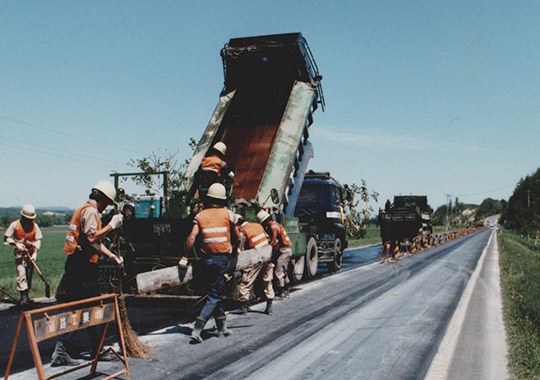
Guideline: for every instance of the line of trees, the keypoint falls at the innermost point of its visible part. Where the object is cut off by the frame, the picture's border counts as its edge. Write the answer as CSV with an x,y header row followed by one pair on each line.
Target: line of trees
x,y
454,211
522,213
8,215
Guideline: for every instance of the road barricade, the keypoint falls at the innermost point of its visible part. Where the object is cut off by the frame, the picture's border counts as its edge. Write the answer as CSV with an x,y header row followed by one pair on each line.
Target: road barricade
x,y
68,317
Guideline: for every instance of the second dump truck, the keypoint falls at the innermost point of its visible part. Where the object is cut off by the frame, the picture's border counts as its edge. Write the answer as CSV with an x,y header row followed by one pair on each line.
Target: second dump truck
x,y
408,217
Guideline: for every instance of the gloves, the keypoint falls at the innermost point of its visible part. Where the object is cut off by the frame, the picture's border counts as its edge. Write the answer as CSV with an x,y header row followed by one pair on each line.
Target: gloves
x,y
183,263
34,256
20,247
116,221
119,260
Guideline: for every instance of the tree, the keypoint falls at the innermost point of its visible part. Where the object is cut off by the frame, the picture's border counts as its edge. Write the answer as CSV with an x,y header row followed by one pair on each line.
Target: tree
x,y
488,207
522,212
358,210
159,162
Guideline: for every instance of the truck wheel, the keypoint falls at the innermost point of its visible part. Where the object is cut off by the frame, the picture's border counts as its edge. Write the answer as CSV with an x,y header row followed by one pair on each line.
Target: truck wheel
x,y
296,270
312,259
335,265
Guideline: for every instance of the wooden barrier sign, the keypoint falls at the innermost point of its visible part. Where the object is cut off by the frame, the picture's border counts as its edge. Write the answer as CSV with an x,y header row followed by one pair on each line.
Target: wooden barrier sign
x,y
41,324
51,326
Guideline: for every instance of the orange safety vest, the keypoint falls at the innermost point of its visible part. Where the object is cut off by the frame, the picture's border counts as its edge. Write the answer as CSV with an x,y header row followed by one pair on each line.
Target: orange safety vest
x,y
255,235
213,163
77,241
27,238
283,238
215,229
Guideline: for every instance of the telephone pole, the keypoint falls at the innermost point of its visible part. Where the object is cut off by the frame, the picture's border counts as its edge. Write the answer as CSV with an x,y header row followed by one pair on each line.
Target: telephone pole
x,y
448,204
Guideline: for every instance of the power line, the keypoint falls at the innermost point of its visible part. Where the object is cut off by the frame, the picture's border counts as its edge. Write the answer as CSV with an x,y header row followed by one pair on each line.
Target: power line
x,y
78,154
69,155
486,192
69,135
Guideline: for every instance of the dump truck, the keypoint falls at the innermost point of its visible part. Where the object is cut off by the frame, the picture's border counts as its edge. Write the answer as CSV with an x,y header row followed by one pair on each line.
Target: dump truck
x,y
271,90
408,217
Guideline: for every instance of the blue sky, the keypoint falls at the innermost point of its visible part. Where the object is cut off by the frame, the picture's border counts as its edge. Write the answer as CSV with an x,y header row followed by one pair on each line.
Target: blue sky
x,y
424,97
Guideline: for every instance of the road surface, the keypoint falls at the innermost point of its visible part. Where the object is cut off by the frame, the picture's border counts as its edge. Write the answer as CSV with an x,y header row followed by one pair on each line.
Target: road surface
x,y
373,321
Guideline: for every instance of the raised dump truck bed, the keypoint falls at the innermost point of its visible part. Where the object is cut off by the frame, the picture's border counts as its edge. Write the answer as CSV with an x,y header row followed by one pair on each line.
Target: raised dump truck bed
x,y
271,89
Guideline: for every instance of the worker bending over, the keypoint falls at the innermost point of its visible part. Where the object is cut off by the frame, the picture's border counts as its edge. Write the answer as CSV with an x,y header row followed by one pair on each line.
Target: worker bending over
x,y
214,228
80,280
24,234
253,236
281,245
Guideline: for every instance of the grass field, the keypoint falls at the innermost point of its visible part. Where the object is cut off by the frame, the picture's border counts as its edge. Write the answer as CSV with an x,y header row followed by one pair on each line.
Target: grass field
x,y
372,237
50,261
520,282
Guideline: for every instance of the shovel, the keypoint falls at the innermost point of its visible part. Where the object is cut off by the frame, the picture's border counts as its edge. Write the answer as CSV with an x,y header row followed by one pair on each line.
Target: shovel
x,y
9,295
47,286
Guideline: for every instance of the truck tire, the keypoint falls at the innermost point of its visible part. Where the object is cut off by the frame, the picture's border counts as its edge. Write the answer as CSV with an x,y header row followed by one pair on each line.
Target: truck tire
x,y
296,269
312,259
335,265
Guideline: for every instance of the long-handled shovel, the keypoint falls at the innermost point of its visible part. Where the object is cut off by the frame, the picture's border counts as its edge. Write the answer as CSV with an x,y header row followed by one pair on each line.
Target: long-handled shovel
x,y
47,286
9,295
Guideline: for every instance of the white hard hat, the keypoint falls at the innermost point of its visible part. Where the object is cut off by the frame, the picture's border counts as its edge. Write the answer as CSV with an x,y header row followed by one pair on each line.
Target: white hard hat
x,y
107,189
262,216
217,191
28,211
220,147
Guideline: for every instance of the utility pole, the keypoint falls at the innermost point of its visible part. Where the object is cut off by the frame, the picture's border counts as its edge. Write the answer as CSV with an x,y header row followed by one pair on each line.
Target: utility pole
x,y
448,204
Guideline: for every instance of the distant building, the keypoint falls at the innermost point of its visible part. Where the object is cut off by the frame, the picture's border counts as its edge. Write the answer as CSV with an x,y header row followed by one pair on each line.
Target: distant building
x,y
52,213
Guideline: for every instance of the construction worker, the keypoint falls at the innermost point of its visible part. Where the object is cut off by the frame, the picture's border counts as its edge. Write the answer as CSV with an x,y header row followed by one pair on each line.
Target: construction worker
x,y
218,237
281,245
24,234
214,168
254,236
83,246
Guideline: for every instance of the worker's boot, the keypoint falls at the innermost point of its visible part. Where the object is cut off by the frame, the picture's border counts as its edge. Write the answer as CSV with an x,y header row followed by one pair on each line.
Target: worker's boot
x,y
197,330
222,327
104,356
268,309
60,356
284,292
25,300
242,308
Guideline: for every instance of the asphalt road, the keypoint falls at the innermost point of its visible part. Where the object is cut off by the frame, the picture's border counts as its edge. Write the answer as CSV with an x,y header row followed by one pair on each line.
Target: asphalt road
x,y
373,321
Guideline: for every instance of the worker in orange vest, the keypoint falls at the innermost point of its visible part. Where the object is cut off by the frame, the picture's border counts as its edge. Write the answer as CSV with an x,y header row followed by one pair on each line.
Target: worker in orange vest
x,y
214,168
24,234
281,244
214,228
83,247
253,236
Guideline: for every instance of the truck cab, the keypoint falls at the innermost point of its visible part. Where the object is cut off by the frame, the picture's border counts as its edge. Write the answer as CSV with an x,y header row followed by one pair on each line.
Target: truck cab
x,y
319,210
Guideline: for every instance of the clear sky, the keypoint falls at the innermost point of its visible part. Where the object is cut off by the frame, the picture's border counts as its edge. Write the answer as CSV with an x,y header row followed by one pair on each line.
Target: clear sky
x,y
422,97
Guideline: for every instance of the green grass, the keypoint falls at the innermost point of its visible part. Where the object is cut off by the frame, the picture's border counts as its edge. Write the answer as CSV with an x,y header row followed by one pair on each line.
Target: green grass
x,y
372,237
50,261
520,282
